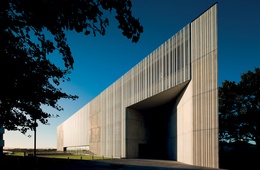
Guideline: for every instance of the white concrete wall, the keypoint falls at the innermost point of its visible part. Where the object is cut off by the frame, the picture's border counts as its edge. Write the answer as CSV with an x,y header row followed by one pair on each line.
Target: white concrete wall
x,y
204,59
75,130
197,106
185,125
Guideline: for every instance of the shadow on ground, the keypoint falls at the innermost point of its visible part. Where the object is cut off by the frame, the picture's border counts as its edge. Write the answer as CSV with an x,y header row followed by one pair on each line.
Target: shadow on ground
x,y
38,163
236,159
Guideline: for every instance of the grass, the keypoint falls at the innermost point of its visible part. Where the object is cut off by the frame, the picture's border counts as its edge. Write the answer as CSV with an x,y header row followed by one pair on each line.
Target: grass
x,y
62,156
17,154
76,157
47,161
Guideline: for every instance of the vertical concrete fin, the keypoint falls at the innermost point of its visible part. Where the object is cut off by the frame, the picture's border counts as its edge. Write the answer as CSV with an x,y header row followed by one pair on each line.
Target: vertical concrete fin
x,y
204,56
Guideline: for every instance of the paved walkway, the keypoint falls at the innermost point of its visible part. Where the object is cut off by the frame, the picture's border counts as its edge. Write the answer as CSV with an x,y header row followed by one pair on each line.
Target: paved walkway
x,y
30,163
146,164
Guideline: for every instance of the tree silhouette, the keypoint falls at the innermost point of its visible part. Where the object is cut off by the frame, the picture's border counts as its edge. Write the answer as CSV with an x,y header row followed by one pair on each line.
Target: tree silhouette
x,y
239,107
29,80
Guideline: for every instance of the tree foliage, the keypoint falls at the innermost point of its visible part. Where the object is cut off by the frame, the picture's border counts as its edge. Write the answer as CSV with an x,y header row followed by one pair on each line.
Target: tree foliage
x,y
29,79
239,107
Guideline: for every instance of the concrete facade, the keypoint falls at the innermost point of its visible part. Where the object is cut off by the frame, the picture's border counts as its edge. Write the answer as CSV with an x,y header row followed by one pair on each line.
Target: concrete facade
x,y
166,107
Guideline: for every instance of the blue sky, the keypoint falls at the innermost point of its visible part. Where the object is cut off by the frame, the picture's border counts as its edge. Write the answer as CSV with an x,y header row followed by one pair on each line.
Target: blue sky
x,y
101,60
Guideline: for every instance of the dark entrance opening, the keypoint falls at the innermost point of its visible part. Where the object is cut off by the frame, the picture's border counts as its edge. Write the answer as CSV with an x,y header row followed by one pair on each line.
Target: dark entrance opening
x,y
158,124
151,126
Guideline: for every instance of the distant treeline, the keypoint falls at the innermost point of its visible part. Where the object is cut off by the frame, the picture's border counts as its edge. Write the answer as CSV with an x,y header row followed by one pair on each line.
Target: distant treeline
x,y
29,150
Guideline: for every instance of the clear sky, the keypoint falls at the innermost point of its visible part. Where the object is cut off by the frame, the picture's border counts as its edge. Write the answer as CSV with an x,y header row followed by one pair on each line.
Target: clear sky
x,y
101,60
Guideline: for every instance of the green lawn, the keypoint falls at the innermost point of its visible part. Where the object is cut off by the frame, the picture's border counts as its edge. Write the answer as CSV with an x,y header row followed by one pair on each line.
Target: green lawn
x,y
77,157
63,156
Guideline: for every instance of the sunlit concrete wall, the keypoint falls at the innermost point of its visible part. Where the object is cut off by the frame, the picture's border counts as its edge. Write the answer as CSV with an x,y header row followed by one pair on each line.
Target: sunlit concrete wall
x,y
197,105
204,50
74,131
167,102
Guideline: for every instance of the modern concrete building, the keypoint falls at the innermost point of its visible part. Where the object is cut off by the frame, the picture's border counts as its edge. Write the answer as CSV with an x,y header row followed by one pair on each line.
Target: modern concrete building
x,y
166,107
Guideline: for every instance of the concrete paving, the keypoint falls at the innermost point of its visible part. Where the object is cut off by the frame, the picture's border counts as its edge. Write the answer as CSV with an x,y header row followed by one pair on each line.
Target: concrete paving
x,y
146,164
29,163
